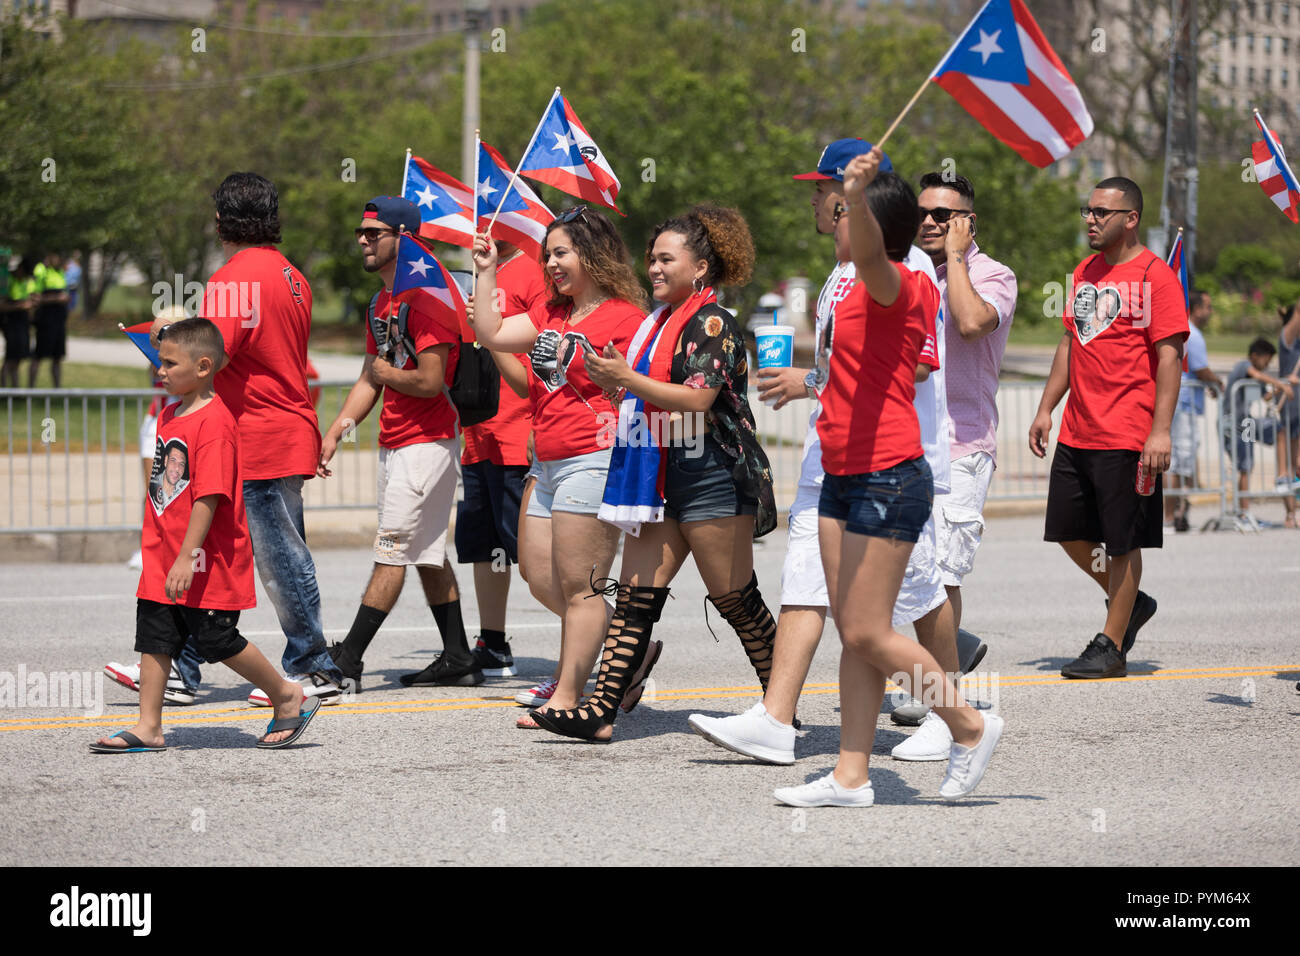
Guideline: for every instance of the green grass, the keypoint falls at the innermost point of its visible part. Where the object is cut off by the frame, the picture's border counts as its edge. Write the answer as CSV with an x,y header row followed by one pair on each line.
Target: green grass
x,y
1225,343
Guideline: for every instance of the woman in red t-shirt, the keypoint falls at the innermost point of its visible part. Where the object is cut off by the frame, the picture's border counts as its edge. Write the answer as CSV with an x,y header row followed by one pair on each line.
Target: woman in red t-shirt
x,y
878,493
595,300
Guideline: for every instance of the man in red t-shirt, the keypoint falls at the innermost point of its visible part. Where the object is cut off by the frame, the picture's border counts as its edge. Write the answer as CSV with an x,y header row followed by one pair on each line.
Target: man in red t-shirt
x,y
1121,361
493,466
410,360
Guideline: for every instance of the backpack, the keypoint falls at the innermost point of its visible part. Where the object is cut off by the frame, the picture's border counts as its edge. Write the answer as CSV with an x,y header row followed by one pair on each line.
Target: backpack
x,y
475,389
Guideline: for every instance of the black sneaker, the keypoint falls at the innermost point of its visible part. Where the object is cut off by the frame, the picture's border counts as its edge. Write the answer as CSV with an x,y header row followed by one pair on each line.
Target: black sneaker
x,y
445,673
1099,659
349,667
1144,608
1181,524
494,663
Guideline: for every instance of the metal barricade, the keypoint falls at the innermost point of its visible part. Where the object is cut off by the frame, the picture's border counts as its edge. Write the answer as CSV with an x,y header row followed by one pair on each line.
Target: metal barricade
x,y
1254,432
1196,448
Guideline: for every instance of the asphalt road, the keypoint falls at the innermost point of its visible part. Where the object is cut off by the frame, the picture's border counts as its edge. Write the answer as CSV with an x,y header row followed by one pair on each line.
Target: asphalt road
x,y
1191,760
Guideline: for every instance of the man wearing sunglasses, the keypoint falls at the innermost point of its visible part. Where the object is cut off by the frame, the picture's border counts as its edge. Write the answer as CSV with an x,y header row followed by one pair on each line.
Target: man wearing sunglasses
x,y
1121,361
409,357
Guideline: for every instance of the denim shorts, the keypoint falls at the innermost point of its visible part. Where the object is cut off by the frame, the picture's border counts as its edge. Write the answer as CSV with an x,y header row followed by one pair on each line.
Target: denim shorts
x,y
891,503
698,485
575,484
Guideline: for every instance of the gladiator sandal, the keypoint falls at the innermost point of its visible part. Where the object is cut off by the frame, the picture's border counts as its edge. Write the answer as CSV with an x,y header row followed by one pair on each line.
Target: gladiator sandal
x,y
746,612
625,653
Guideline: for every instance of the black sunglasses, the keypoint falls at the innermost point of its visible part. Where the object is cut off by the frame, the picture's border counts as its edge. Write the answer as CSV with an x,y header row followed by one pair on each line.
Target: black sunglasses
x,y
1098,212
940,215
372,233
577,212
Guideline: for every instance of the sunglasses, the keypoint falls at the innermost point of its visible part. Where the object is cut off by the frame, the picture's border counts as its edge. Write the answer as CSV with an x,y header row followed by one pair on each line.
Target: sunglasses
x,y
577,212
372,233
1098,212
940,215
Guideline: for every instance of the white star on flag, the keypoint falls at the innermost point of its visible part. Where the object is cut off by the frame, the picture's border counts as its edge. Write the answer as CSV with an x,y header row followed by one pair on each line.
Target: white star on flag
x,y
486,189
988,44
426,196
422,267
562,142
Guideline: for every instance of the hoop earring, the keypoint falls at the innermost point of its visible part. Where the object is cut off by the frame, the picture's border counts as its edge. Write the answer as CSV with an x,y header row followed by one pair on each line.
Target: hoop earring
x,y
698,286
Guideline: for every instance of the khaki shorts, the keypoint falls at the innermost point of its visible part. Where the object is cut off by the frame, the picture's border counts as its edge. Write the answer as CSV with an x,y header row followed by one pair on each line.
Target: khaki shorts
x,y
417,488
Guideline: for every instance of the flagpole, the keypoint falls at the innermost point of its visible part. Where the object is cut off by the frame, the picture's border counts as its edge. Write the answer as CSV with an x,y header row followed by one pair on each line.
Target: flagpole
x,y
527,150
474,186
910,103
406,171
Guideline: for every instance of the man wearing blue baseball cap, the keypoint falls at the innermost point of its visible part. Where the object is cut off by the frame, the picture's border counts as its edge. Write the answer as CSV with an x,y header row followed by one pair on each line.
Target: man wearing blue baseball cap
x,y
409,357
766,732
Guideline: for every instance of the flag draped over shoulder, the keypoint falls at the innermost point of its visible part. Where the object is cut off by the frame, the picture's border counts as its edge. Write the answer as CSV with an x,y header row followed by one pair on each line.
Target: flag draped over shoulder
x,y
564,156
523,218
445,203
1004,73
422,282
1273,173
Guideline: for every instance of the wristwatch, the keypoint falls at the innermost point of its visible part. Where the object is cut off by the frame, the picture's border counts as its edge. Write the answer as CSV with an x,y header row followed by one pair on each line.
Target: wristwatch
x,y
810,383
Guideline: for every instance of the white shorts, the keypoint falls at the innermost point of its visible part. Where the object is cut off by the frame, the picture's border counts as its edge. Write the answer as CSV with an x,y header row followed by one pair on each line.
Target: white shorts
x,y
803,580
959,516
417,488
922,589
148,436
1183,441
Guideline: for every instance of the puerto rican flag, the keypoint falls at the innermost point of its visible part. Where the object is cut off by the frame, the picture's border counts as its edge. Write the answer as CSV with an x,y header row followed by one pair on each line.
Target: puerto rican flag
x,y
1003,72
1273,173
562,155
422,282
1179,265
445,203
139,336
523,218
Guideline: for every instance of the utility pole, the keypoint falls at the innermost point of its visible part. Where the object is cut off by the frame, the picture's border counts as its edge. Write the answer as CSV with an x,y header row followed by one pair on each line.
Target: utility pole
x,y
1178,203
476,13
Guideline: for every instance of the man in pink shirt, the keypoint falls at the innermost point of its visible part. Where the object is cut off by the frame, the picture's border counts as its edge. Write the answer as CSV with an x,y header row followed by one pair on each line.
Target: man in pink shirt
x,y
979,300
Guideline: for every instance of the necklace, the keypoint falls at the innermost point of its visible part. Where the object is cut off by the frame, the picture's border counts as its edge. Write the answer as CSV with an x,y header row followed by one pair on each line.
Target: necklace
x,y
586,310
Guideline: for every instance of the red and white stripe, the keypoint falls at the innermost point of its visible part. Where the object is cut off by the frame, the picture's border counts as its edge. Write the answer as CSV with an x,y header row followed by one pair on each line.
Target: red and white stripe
x,y
1273,173
526,230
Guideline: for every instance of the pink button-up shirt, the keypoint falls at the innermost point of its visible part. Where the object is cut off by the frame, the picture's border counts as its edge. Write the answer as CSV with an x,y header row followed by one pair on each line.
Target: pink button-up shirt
x,y
973,367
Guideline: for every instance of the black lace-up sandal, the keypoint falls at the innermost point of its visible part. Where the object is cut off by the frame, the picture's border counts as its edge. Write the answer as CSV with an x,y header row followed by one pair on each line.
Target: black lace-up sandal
x,y
747,613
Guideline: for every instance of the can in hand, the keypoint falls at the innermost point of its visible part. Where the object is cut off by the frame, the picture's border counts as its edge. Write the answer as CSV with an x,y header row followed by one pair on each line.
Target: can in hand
x,y
1146,482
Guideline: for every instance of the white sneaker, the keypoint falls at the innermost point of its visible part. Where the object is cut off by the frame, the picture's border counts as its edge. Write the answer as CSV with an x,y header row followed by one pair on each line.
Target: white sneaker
x,y
755,733
932,742
825,792
128,675
538,695
910,714
137,561
313,685
966,765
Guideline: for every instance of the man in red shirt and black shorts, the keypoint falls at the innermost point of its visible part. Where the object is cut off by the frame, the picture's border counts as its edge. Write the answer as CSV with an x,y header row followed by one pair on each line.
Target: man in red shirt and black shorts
x,y
493,466
1120,360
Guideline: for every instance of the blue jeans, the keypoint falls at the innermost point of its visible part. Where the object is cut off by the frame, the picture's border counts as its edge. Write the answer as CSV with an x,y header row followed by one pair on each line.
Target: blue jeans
x,y
285,567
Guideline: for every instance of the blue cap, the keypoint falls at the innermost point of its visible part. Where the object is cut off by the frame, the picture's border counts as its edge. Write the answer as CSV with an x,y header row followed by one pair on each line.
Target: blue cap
x,y
836,156
394,211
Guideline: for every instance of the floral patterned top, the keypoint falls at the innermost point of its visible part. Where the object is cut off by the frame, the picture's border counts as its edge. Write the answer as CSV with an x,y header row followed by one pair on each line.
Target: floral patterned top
x,y
713,356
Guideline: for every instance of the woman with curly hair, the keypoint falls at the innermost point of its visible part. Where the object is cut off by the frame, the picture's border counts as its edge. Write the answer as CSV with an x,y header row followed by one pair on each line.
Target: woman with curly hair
x,y
688,476
595,302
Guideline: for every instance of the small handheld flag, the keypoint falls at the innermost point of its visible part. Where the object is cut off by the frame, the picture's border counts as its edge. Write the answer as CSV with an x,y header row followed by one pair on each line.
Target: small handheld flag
x,y
523,216
1005,74
139,336
445,203
422,281
563,155
1179,265
1273,173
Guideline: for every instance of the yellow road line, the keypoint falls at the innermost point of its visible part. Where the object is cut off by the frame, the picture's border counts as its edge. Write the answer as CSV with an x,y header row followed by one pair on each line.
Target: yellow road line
x,y
228,714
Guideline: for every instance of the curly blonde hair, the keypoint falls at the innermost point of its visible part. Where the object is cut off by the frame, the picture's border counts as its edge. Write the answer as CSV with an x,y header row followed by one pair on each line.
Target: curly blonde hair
x,y
718,235
604,258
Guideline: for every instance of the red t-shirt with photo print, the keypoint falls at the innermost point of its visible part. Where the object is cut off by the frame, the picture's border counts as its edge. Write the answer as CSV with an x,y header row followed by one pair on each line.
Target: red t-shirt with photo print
x,y
503,439
410,419
197,455
1116,315
571,415
262,305
867,421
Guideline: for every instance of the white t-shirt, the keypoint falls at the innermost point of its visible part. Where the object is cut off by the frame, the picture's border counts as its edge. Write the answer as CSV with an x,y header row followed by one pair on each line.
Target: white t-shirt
x,y
931,396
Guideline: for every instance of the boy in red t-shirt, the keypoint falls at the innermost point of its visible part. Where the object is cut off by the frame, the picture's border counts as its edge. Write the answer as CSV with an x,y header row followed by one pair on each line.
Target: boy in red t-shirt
x,y
1121,361
198,559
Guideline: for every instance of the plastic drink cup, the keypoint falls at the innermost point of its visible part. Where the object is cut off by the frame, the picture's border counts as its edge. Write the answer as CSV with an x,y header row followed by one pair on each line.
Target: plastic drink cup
x,y
775,346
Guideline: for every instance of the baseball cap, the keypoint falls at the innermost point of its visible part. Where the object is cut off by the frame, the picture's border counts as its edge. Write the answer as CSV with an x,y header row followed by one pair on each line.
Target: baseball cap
x,y
836,156
393,211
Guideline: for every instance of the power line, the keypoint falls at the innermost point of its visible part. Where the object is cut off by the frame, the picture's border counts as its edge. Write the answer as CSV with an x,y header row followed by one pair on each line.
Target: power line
x,y
328,34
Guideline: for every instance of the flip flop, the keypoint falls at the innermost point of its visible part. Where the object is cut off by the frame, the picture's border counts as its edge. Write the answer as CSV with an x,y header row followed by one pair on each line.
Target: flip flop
x,y
296,724
134,745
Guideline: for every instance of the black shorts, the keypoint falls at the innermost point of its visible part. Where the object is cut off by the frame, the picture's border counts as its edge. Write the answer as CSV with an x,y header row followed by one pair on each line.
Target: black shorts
x,y
18,336
164,629
487,521
1092,496
699,484
51,331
